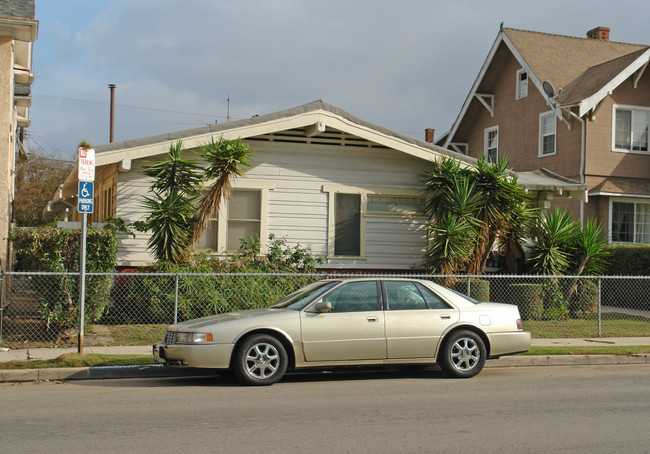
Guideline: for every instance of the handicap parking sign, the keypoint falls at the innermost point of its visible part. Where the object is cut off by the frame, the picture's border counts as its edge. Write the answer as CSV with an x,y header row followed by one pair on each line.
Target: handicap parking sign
x,y
86,196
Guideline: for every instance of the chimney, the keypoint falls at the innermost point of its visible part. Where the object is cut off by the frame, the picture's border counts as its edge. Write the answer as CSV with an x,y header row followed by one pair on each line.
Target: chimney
x,y
599,33
428,134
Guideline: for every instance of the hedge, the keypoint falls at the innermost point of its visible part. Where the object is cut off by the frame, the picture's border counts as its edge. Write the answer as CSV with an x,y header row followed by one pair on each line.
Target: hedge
x,y
529,298
54,249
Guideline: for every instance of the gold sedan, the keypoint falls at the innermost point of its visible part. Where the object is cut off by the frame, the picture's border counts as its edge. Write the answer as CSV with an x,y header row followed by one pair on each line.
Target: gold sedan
x,y
345,322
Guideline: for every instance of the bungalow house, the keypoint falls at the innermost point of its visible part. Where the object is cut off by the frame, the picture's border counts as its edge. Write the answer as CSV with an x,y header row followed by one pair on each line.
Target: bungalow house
x,y
579,107
321,177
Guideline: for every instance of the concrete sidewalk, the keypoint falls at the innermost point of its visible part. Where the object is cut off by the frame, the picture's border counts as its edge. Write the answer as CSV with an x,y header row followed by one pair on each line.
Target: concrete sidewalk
x,y
161,371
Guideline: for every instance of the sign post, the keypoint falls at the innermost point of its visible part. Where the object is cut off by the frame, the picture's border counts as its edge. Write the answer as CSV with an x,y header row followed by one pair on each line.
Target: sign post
x,y
86,177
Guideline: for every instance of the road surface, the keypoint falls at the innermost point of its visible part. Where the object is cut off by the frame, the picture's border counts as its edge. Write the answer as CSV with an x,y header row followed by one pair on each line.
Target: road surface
x,y
593,409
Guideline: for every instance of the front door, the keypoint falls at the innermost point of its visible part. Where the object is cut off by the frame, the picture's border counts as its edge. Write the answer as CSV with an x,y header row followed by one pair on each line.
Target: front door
x,y
352,330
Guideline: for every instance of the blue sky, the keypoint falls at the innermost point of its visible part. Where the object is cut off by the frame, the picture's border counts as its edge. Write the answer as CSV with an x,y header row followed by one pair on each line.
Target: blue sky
x,y
403,65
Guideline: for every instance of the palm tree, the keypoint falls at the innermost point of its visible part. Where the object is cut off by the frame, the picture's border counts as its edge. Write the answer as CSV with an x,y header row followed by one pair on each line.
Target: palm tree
x,y
171,208
226,159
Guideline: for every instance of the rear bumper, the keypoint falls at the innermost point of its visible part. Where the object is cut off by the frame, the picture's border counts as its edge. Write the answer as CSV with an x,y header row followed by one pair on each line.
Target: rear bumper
x,y
214,356
509,343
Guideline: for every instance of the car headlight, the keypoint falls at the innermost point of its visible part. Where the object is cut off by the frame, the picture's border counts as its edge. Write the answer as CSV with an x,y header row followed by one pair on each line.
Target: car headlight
x,y
193,338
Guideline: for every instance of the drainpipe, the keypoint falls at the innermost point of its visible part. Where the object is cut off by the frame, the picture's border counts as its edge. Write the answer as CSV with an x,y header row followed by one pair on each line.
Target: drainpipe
x,y
583,140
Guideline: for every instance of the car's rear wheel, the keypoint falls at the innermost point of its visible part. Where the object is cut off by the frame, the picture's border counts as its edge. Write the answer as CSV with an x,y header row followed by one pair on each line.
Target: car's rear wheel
x,y
463,354
260,360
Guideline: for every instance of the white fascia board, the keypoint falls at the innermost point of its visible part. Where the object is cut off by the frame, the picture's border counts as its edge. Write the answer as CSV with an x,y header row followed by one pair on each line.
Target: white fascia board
x,y
473,90
619,194
303,120
159,148
589,103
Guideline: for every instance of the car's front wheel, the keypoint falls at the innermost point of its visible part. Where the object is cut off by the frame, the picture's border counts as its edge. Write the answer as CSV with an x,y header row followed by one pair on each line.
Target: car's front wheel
x,y
463,354
260,360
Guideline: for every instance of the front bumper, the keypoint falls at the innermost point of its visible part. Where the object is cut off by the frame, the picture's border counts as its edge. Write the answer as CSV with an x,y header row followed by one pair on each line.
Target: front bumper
x,y
509,343
213,356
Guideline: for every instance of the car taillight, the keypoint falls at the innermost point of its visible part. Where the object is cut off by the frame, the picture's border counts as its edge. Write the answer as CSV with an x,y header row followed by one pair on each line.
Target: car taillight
x,y
519,324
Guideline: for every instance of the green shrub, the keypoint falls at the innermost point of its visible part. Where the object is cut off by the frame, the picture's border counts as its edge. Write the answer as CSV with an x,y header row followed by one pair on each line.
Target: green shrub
x,y
555,307
479,289
529,298
585,300
58,250
628,260
201,292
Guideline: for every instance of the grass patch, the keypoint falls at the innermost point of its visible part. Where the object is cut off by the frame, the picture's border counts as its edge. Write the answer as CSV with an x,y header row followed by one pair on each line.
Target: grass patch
x,y
590,350
80,360
612,325
137,334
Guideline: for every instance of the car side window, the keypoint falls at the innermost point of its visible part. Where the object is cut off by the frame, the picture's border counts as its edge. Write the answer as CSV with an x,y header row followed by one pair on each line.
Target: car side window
x,y
353,297
403,295
433,300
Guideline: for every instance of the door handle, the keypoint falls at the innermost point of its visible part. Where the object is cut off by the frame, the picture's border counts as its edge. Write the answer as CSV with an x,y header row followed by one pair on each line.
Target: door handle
x,y
445,316
372,319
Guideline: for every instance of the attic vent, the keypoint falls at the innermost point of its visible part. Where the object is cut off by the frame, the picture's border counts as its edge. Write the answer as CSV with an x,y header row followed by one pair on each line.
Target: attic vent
x,y
599,33
330,138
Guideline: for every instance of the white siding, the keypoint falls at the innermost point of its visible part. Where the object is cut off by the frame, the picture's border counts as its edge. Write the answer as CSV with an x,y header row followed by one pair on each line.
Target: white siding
x,y
298,206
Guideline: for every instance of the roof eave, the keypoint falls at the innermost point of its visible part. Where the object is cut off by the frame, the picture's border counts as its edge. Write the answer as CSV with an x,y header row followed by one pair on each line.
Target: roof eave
x,y
591,102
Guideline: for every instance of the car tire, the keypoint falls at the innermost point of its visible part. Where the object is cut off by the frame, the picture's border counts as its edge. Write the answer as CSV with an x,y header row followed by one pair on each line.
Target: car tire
x,y
260,360
463,354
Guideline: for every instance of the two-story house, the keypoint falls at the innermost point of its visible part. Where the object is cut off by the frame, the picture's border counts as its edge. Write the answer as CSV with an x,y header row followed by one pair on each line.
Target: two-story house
x,y
579,107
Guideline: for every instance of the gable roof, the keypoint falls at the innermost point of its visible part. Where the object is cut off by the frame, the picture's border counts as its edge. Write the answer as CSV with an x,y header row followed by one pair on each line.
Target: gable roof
x,y
307,115
582,70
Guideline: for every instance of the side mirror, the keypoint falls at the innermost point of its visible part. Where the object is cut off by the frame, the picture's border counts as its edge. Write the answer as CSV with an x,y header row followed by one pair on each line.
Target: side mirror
x,y
323,306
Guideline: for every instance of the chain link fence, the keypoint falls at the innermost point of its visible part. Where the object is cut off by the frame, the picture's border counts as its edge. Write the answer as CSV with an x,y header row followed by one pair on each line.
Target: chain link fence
x,y
41,309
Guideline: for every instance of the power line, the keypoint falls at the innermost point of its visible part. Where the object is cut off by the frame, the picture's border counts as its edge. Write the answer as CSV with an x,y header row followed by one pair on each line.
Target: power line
x,y
85,102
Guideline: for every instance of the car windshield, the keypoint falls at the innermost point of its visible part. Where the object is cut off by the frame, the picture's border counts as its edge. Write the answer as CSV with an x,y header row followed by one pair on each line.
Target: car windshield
x,y
300,298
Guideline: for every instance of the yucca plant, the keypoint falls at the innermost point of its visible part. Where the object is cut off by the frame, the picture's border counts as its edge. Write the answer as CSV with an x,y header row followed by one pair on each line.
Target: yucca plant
x,y
171,207
554,243
227,159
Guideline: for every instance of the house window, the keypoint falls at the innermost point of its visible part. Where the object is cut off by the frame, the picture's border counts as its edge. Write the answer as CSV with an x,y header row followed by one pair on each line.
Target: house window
x,y
631,127
522,84
547,122
245,212
378,204
347,230
243,217
491,142
630,222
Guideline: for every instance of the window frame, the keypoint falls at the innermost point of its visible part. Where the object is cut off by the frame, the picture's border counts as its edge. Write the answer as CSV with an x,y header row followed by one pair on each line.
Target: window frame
x,y
634,201
332,189
486,148
540,151
222,227
632,110
518,84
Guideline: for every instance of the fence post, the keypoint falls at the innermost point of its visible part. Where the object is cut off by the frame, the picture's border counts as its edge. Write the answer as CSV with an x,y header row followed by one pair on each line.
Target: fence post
x,y
176,300
469,286
600,306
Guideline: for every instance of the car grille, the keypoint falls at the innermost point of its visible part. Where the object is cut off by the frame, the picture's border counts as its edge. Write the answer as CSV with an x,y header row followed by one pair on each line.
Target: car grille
x,y
170,337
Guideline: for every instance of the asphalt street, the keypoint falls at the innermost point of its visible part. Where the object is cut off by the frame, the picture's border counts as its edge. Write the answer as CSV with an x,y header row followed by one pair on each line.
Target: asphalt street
x,y
594,409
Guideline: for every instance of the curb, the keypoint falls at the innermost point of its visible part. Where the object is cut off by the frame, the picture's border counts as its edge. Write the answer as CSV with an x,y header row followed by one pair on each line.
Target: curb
x,y
161,371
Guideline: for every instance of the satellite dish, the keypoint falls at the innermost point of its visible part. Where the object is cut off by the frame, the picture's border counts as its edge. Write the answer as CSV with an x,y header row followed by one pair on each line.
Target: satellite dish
x,y
548,89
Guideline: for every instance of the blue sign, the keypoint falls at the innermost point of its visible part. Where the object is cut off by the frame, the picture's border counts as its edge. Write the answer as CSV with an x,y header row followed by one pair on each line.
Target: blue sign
x,y
86,196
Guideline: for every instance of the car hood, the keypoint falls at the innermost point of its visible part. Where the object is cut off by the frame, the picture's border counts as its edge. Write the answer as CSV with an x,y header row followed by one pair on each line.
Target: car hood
x,y
223,318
